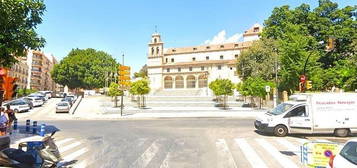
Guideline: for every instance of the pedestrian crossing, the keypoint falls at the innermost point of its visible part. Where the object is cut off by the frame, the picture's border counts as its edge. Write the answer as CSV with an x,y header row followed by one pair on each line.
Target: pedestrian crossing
x,y
261,152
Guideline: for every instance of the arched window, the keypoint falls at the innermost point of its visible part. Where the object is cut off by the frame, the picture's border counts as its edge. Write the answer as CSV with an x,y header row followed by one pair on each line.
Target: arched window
x,y
202,81
168,82
191,81
155,41
157,50
152,50
179,82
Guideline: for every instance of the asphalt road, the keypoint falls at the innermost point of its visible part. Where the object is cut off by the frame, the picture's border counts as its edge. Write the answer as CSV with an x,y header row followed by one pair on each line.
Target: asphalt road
x,y
194,142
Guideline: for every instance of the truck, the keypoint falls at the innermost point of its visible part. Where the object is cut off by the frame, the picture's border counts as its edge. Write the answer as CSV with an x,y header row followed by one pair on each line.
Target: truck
x,y
312,113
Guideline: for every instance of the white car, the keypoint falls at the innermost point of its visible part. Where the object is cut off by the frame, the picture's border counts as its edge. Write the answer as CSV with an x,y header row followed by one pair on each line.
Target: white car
x,y
48,94
36,101
347,158
18,106
63,106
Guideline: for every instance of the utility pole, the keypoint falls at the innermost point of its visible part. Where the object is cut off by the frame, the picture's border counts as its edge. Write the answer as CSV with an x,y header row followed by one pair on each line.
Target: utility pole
x,y
276,92
121,100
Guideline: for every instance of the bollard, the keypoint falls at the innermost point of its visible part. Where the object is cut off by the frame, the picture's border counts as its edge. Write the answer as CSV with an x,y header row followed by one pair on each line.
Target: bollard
x,y
15,124
42,130
27,125
34,127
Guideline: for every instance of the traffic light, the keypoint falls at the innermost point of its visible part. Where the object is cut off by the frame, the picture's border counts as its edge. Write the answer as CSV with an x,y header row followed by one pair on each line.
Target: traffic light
x,y
308,84
124,77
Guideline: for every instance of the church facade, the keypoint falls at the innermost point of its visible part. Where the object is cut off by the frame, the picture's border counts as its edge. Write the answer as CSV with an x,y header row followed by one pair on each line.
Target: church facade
x,y
194,67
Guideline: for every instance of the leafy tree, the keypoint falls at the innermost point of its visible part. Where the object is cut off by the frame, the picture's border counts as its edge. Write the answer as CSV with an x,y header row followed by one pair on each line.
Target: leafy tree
x,y
258,60
114,91
25,92
140,87
143,73
299,32
222,87
18,21
84,68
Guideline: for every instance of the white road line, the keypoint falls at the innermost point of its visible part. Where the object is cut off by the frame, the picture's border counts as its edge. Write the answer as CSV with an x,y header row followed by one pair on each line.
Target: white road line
x,y
291,147
82,164
75,154
225,158
65,148
301,141
61,142
165,163
146,157
250,154
285,162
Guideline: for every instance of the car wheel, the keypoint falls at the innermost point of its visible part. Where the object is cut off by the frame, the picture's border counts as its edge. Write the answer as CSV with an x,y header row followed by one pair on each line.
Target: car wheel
x,y
280,131
342,132
16,110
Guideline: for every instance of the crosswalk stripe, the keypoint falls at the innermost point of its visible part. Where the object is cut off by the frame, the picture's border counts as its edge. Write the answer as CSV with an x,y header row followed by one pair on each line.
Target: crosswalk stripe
x,y
291,147
61,142
225,157
75,154
146,157
82,164
285,162
165,163
301,141
65,148
250,154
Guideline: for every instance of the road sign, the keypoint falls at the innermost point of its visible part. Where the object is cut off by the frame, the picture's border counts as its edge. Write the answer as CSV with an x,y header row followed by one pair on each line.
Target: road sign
x,y
317,154
267,89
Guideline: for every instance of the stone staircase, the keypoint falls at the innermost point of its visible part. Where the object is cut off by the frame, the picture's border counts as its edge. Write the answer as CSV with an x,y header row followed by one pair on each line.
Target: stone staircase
x,y
174,93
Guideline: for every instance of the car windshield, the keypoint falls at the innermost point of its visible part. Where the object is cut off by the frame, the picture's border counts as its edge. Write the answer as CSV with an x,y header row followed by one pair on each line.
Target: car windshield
x,y
62,104
349,152
280,109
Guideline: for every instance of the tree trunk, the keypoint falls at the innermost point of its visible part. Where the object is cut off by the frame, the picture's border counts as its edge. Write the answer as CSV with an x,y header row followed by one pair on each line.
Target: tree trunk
x,y
224,101
116,101
260,103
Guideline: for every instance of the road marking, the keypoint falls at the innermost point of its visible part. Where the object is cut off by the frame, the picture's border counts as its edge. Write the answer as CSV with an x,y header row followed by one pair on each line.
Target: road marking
x,y
250,154
165,163
65,148
61,142
75,154
291,147
225,157
285,162
82,164
146,157
301,141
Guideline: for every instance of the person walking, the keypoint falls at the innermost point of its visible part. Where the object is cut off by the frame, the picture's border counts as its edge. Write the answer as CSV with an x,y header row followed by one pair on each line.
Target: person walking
x,y
11,116
3,122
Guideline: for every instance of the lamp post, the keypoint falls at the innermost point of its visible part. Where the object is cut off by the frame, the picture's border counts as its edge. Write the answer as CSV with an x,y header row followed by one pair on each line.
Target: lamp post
x,y
275,95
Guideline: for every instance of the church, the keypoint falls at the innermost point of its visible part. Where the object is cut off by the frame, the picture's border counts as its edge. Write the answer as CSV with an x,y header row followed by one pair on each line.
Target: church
x,y
193,68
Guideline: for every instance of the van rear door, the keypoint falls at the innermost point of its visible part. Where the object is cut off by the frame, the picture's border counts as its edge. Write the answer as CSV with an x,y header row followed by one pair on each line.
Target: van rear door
x,y
299,120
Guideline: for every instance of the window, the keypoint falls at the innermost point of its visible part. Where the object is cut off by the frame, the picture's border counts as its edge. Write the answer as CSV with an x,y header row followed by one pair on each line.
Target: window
x,y
166,60
172,60
219,67
297,112
256,29
168,70
157,50
236,56
194,49
222,46
193,58
235,45
231,68
179,69
349,152
202,68
155,40
207,57
208,47
190,68
221,57
173,50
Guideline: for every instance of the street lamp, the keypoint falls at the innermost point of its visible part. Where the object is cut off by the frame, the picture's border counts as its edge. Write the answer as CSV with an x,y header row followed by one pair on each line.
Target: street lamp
x,y
275,95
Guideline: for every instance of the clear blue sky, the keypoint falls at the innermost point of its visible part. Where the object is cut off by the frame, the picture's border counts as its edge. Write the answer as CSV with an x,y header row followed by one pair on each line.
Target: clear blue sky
x,y
117,26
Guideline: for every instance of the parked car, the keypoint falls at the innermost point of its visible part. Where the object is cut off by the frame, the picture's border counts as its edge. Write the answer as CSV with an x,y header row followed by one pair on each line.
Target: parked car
x,y
74,98
63,106
48,94
36,101
18,105
68,99
38,95
347,157
29,102
43,94
60,94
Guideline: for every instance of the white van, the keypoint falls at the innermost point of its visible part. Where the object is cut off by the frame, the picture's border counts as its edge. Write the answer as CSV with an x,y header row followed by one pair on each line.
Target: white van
x,y
312,113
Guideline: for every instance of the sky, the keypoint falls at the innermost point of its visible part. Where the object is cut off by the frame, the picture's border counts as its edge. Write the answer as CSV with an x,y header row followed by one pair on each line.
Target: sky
x,y
124,27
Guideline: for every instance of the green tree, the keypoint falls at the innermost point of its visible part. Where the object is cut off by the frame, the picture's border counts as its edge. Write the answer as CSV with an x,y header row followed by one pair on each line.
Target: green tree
x,y
114,91
140,87
18,21
85,68
143,73
222,87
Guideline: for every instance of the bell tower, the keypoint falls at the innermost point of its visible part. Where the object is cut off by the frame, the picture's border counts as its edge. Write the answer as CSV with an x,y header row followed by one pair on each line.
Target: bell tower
x,y
156,46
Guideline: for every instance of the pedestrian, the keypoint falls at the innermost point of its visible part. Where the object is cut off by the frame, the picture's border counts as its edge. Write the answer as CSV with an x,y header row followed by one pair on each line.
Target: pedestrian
x,y
3,122
11,117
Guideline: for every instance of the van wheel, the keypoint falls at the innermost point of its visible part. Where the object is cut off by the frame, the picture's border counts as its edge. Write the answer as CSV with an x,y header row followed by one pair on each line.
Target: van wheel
x,y
280,131
16,111
342,132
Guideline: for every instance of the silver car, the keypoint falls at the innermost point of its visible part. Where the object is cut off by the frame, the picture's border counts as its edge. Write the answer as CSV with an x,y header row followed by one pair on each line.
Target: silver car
x,y
63,107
